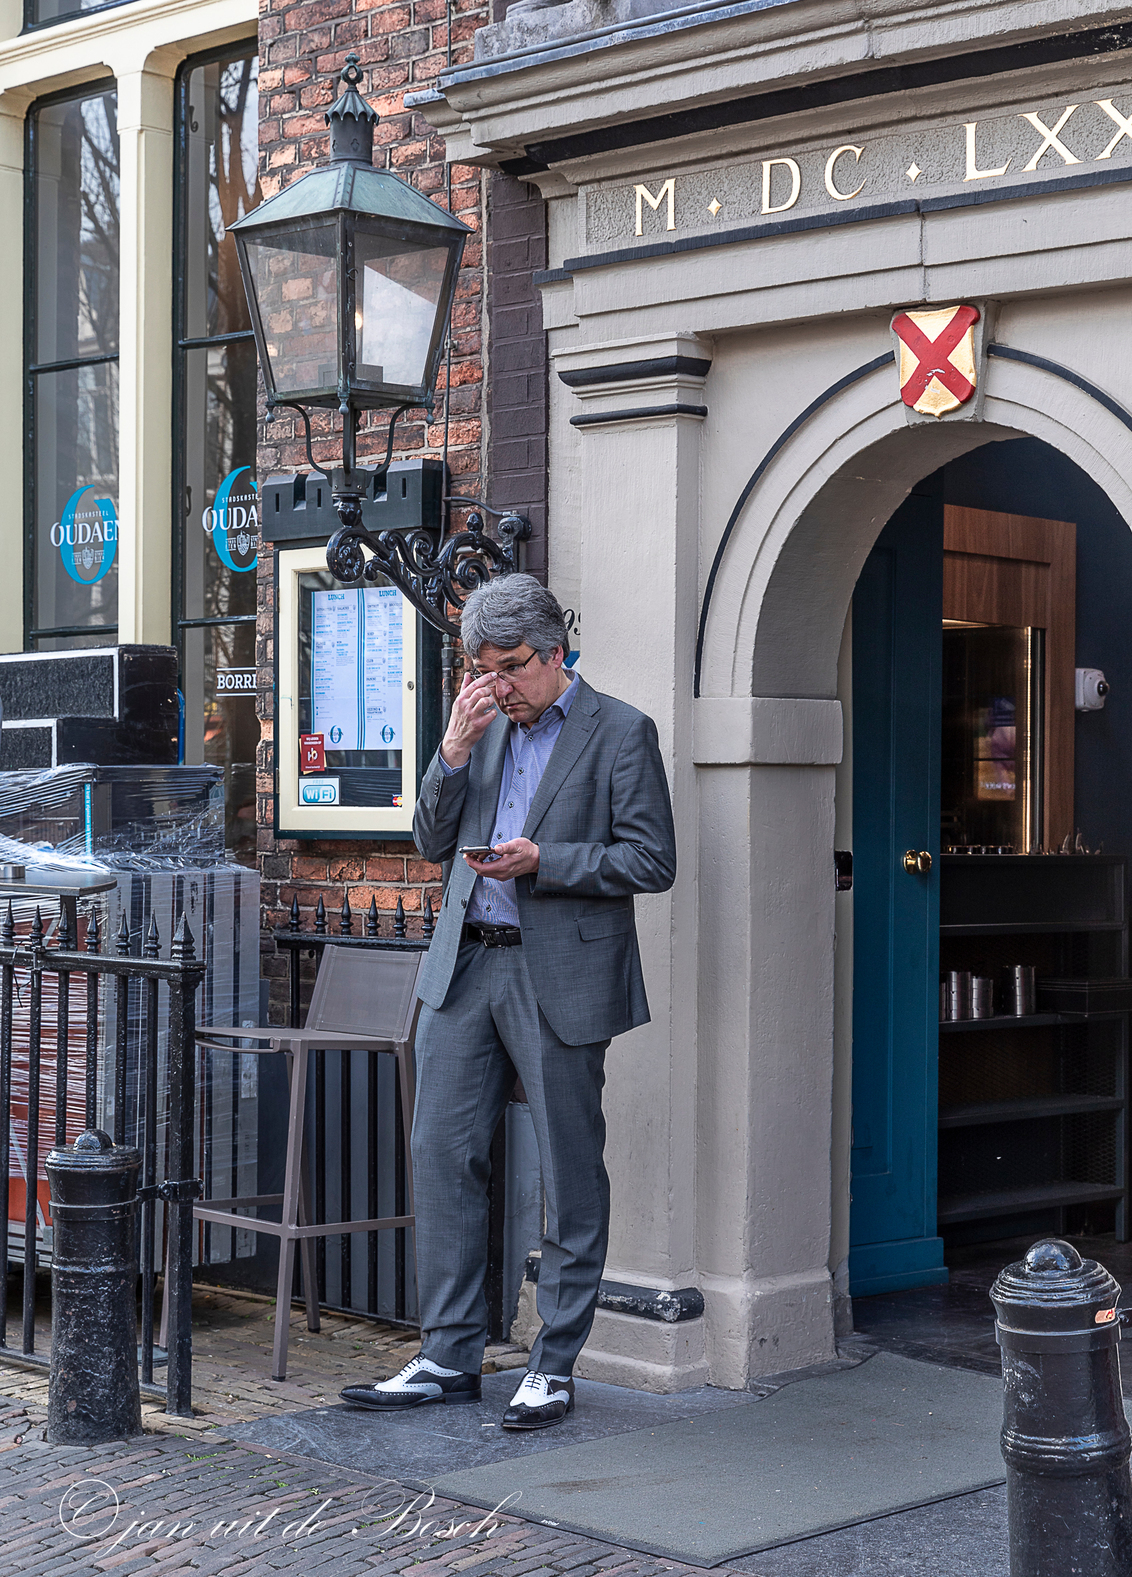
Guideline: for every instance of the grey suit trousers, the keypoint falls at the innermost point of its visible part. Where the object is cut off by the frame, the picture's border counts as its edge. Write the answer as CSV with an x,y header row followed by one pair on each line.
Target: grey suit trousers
x,y
468,1053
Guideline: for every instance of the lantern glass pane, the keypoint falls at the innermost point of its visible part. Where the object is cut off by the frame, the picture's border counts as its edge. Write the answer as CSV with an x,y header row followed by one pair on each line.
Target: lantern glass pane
x,y
297,295
398,294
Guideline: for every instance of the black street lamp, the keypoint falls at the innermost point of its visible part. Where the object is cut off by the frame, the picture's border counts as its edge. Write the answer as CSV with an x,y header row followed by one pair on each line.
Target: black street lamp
x,y
350,275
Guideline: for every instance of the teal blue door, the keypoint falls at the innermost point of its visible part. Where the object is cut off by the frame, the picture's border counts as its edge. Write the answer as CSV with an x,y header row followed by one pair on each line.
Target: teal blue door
x,y
897,614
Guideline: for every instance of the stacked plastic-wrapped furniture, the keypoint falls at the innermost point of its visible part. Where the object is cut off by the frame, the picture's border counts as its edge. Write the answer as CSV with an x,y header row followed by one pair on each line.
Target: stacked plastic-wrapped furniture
x,y
159,832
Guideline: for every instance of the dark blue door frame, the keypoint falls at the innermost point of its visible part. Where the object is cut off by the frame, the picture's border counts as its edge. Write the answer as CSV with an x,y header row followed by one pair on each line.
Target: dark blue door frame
x,y
897,621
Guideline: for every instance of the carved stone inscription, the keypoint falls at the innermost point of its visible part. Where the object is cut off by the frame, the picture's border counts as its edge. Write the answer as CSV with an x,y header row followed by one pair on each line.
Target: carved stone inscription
x,y
1000,150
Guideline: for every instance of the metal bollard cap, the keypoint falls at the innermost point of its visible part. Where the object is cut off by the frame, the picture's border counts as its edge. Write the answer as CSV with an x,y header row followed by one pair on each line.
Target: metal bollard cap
x,y
95,1162
1054,1290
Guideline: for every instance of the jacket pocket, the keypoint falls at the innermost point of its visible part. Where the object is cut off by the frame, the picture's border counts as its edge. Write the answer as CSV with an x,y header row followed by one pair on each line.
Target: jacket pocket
x,y
592,927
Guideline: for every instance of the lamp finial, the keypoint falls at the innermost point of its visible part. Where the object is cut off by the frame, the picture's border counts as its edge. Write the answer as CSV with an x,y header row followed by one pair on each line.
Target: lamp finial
x,y
351,119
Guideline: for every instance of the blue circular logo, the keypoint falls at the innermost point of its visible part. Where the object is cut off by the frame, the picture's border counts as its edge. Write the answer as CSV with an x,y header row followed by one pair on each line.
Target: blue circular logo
x,y
387,734
233,522
335,734
87,538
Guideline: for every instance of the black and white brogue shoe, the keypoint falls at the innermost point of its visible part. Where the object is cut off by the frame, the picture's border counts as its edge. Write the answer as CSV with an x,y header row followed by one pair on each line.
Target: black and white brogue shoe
x,y
419,1381
541,1400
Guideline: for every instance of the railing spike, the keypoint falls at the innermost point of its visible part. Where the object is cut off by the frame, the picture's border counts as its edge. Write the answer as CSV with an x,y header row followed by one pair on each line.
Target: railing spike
x,y
293,921
184,944
37,928
63,929
320,918
93,934
124,936
399,918
345,917
371,917
8,927
152,939
428,924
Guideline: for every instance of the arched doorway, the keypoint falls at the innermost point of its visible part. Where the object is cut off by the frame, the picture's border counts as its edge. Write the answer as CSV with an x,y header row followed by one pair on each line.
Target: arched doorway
x,y
771,642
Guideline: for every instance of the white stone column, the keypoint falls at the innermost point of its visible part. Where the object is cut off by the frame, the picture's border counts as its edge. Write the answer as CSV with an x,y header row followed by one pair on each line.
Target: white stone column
x,y
765,1030
13,109
638,413
145,130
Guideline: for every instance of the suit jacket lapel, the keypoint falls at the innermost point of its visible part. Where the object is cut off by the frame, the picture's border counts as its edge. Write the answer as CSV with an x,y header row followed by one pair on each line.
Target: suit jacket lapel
x,y
491,775
581,720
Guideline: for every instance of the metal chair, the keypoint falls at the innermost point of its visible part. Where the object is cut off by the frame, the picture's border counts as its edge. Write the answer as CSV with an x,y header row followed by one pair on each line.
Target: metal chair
x,y
365,999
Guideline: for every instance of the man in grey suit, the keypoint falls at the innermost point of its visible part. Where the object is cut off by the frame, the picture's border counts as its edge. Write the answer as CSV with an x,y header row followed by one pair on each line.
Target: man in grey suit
x,y
561,793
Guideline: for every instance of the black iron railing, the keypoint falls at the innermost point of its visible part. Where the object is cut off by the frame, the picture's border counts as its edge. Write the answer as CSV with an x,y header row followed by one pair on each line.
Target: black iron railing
x,y
136,1118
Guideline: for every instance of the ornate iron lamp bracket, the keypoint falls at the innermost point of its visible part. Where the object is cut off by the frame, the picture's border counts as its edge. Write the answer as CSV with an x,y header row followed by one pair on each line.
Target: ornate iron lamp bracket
x,y
435,577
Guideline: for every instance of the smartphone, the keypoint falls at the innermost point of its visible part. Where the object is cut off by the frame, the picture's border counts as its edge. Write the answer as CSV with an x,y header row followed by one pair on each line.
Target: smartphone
x,y
480,851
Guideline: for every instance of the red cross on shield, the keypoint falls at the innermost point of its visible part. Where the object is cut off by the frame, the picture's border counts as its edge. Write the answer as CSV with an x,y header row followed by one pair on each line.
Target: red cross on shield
x,y
937,358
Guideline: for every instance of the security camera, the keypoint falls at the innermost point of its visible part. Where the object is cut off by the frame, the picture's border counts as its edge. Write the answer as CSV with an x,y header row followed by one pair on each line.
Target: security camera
x,y
1091,689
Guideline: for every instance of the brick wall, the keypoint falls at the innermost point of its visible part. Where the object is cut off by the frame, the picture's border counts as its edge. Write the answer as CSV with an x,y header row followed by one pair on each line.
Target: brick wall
x,y
401,45
516,396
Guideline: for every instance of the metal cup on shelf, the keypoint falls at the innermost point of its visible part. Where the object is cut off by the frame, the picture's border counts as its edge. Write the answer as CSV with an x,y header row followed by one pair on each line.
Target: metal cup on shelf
x,y
982,997
1020,990
955,995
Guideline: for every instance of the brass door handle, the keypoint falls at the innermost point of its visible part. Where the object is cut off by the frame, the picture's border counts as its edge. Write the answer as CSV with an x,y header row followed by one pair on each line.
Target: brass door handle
x,y
917,864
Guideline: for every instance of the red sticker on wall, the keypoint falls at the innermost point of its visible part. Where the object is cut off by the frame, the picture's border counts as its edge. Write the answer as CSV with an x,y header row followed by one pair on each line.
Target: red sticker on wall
x,y
312,753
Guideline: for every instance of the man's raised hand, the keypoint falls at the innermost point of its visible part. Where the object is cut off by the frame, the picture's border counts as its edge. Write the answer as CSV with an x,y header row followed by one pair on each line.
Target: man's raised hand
x,y
473,711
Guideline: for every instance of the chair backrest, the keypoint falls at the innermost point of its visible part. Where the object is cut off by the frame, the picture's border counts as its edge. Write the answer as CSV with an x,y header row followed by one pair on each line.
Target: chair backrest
x,y
366,991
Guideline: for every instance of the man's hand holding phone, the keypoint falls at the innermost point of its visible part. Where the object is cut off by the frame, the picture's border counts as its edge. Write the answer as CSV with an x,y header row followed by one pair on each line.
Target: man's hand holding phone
x,y
518,857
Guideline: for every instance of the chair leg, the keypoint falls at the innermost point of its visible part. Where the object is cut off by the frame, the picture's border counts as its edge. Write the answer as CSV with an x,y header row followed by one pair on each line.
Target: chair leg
x,y
406,1073
404,1056
292,1173
307,1258
283,1308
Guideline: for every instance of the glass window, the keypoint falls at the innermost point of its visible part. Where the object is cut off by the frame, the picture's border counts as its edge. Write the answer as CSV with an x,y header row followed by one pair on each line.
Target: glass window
x,y
42,13
72,371
216,507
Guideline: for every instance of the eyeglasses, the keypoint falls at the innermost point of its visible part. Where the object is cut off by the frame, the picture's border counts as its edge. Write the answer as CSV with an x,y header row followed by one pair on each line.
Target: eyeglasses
x,y
508,671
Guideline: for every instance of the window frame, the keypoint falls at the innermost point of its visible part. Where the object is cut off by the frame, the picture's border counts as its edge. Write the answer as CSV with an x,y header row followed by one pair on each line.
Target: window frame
x,y
183,344
33,369
31,26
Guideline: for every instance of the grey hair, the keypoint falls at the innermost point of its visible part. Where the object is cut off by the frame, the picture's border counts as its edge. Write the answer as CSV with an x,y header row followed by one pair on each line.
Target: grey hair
x,y
508,611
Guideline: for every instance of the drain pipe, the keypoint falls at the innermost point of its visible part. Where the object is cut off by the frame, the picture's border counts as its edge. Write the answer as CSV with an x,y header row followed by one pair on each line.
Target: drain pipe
x,y
1065,1438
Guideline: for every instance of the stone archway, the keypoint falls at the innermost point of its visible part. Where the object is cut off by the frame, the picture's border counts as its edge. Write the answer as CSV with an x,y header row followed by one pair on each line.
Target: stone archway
x,y
767,740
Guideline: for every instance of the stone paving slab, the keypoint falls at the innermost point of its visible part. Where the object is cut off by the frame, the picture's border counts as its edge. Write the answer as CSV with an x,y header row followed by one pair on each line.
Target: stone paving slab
x,y
414,1446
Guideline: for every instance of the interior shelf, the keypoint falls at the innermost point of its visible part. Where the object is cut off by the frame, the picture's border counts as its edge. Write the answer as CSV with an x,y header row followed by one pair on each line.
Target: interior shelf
x,y
1026,1109
956,1026
1032,928
1067,918
1014,1201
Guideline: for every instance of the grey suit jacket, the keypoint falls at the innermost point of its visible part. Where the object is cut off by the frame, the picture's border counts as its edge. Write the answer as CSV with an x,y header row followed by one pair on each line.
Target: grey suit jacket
x,y
602,819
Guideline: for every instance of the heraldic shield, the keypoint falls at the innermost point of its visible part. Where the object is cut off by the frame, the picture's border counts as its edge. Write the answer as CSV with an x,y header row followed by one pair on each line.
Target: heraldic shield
x,y
937,358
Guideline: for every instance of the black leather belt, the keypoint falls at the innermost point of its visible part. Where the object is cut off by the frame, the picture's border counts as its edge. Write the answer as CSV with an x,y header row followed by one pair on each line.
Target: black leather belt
x,y
491,935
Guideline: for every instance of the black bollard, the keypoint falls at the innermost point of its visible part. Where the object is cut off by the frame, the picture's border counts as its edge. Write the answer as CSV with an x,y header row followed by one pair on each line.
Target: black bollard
x,y
93,1389
1064,1435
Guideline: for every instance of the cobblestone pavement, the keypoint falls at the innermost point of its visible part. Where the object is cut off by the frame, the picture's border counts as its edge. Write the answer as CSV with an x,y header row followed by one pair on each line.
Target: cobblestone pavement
x,y
166,1504
242,1509
232,1338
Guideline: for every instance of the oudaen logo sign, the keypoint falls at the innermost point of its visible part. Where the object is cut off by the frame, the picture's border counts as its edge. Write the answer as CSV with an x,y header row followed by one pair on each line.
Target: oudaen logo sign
x,y
86,536
232,521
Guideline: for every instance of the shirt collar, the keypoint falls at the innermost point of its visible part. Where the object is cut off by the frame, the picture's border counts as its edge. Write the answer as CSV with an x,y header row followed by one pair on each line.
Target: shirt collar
x,y
563,704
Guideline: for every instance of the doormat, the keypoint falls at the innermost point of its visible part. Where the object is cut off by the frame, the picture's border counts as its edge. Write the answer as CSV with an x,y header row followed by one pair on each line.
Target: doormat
x,y
821,1454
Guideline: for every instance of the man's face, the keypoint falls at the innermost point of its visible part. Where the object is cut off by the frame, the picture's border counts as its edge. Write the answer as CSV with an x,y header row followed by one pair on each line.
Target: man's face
x,y
524,686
